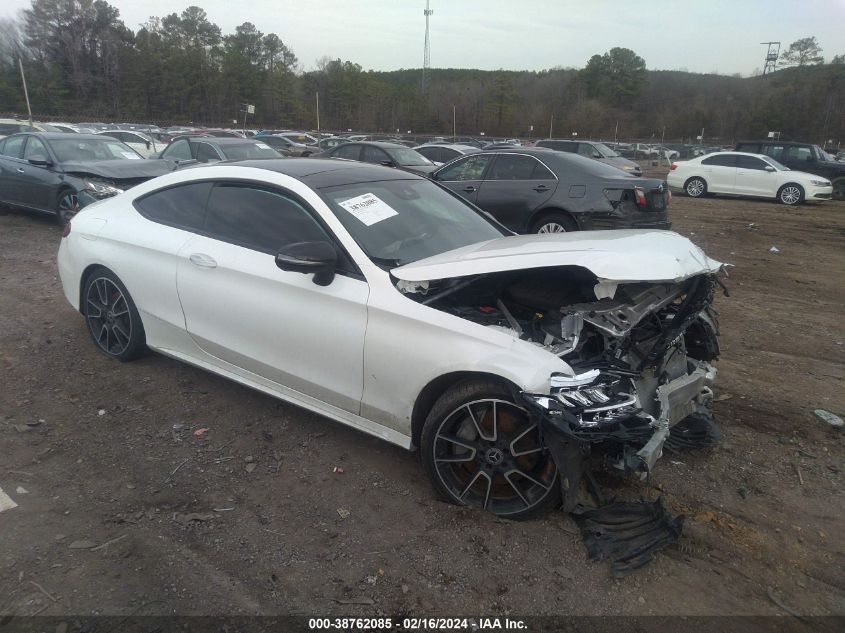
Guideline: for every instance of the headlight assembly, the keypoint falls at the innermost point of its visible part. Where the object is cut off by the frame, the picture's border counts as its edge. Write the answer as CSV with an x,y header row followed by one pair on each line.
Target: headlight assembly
x,y
101,190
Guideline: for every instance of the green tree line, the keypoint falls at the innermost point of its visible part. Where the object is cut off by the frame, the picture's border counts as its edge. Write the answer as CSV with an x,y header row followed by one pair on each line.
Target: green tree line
x,y
83,63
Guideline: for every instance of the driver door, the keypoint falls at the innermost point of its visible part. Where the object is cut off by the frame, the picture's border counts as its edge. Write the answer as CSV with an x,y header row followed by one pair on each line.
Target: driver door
x,y
39,184
242,309
464,176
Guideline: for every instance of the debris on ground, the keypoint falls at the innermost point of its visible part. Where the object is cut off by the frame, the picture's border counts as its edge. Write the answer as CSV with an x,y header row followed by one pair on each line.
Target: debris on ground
x,y
186,519
627,533
82,545
250,467
722,397
774,249
201,432
6,502
22,428
338,469
832,419
698,430
343,513
354,600
101,412
21,490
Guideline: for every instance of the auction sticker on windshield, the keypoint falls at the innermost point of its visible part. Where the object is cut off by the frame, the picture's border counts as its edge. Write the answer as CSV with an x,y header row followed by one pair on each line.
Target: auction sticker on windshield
x,y
368,208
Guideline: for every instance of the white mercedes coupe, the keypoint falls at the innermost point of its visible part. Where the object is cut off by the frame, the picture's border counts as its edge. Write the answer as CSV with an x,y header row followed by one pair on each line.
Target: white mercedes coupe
x,y
381,300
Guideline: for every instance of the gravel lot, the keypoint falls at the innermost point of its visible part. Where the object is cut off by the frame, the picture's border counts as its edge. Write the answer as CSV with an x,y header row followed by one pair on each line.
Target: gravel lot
x,y
247,518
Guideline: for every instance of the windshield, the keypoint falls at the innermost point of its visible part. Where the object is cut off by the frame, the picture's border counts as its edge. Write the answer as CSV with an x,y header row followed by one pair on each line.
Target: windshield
x,y
249,150
605,151
396,222
408,157
70,149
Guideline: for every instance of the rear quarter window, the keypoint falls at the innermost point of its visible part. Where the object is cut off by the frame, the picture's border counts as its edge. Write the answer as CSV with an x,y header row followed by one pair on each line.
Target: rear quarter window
x,y
182,206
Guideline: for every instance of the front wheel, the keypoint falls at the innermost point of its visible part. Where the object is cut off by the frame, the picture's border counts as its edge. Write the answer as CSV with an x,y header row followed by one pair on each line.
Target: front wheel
x,y
66,207
481,449
111,316
791,194
839,188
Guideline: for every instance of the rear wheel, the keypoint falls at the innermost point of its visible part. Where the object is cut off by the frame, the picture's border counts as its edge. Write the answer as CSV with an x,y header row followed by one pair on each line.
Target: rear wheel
x,y
111,316
791,194
554,223
481,449
695,187
66,206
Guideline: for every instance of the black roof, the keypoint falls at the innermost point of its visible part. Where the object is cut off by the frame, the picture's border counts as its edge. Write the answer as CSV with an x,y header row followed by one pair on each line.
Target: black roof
x,y
327,172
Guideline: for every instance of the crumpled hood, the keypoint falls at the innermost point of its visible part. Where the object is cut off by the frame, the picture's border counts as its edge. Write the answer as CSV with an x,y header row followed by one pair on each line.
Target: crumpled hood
x,y
612,256
120,169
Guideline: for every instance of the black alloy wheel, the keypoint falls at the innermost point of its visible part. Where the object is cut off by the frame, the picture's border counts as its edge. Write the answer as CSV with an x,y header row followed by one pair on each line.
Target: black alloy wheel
x,y
112,318
483,450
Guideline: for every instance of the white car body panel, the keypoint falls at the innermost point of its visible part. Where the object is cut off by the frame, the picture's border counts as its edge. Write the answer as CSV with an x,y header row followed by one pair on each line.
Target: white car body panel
x,y
622,256
357,351
743,181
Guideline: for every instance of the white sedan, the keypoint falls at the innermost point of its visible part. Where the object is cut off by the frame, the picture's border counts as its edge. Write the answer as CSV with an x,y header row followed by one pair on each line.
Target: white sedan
x,y
383,301
743,174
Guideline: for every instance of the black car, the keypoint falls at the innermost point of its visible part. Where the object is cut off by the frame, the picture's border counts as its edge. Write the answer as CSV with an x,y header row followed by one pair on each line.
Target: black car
x,y
544,191
805,157
60,173
595,150
388,154
207,149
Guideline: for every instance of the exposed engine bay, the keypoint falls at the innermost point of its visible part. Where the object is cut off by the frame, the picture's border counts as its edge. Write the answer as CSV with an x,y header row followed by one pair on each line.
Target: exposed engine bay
x,y
639,352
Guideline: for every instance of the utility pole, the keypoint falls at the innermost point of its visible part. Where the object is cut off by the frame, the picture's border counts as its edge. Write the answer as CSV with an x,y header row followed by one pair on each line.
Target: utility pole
x,y
318,116
454,125
551,125
25,91
615,131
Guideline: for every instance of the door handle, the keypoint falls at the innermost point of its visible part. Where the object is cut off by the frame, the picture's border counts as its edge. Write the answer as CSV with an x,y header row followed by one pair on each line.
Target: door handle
x,y
541,188
20,170
469,189
202,260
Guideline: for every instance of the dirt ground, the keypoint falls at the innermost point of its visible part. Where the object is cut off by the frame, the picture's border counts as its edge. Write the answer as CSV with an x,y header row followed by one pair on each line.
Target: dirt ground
x,y
246,518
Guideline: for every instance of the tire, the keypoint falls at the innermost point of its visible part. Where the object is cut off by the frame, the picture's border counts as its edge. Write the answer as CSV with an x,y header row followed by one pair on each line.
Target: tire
x,y
67,206
111,316
791,194
481,449
554,223
839,188
695,187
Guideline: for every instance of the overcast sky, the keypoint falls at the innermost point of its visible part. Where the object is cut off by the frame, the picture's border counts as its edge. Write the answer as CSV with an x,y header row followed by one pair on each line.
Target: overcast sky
x,y
695,35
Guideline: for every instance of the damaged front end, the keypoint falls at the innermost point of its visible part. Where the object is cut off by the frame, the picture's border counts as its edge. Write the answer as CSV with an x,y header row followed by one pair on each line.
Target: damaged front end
x,y
639,352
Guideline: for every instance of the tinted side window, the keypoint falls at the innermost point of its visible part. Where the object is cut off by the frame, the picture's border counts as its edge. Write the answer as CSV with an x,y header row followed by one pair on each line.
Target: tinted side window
x,y
512,167
259,219
720,160
775,151
446,154
431,153
206,153
471,168
182,206
799,154
14,146
178,150
350,152
374,155
749,162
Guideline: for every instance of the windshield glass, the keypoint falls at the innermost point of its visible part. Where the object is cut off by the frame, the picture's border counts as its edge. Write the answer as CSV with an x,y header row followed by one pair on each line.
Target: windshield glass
x,y
408,157
249,150
70,149
396,222
604,150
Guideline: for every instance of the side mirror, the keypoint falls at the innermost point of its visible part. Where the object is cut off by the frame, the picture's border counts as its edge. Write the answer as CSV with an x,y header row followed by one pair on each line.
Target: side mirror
x,y
148,145
596,155
769,168
319,258
40,159
387,163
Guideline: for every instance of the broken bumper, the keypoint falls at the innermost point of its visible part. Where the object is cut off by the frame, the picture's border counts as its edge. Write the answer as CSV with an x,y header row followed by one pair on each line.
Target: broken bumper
x,y
590,408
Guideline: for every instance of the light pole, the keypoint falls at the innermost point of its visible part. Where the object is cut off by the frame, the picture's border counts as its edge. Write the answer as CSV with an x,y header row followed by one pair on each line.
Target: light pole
x,y
25,91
